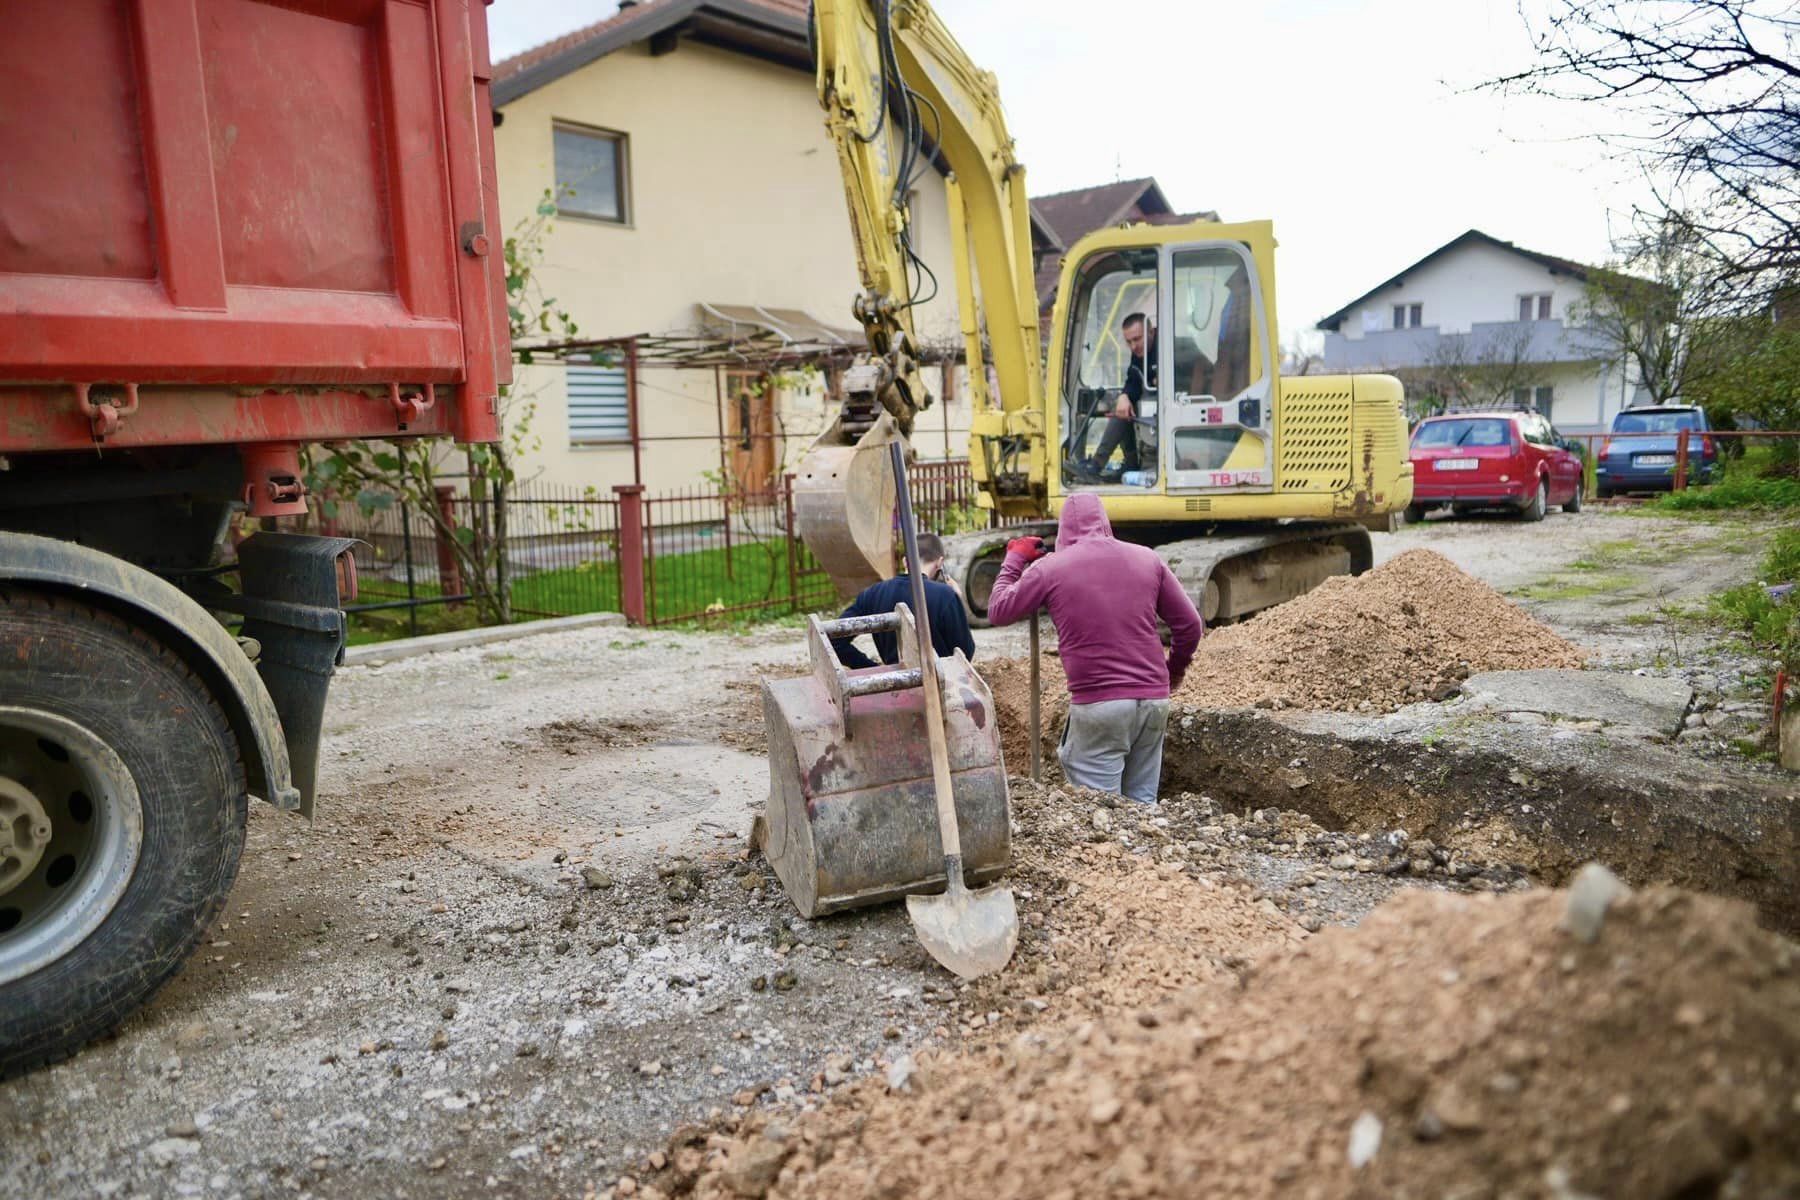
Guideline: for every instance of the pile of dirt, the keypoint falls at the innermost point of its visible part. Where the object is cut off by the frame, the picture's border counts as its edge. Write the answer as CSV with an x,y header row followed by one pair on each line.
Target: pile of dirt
x,y
1409,630
1010,681
1450,1045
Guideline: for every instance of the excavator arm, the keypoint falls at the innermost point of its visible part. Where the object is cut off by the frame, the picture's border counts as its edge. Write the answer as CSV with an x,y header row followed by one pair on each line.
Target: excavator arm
x,y
900,96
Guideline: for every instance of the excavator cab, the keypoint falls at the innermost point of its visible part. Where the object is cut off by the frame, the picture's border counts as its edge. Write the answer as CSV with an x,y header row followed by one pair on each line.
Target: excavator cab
x,y
1167,382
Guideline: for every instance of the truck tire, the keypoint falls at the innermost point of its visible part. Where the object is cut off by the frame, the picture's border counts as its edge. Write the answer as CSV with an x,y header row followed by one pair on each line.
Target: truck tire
x,y
121,774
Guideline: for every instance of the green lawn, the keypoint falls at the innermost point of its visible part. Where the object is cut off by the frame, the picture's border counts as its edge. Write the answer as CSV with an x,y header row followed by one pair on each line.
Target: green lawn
x,y
747,582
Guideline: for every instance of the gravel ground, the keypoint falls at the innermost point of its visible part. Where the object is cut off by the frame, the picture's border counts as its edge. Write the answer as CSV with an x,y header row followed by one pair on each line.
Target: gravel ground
x,y
521,944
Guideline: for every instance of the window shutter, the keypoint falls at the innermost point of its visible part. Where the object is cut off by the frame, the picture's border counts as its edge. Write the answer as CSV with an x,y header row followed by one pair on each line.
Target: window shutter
x,y
599,407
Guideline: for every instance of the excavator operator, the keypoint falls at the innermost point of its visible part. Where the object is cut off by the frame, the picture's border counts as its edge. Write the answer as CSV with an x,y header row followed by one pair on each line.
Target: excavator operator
x,y
1121,429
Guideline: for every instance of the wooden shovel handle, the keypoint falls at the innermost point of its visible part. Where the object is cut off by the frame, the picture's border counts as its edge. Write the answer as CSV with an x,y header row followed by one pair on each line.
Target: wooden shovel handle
x,y
948,833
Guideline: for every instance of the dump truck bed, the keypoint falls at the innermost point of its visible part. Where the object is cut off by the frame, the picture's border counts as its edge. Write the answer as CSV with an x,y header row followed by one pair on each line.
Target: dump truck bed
x,y
245,221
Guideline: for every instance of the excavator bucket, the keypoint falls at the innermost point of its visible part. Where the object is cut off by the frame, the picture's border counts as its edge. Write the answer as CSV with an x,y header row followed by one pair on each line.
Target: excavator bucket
x,y
844,502
852,815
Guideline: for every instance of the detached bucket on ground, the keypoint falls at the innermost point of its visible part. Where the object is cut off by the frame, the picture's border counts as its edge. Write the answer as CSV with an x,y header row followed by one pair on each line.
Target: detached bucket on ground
x,y
852,816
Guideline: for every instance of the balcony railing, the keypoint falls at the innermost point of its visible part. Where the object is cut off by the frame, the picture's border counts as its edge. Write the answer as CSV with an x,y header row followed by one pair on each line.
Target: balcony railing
x,y
1487,341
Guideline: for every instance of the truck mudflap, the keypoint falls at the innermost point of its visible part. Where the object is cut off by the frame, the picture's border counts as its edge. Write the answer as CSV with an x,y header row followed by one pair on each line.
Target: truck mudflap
x,y
185,627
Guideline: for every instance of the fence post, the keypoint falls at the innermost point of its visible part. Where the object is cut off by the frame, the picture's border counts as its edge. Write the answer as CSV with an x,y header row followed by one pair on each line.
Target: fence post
x,y
449,568
631,550
793,568
412,594
1681,460
725,498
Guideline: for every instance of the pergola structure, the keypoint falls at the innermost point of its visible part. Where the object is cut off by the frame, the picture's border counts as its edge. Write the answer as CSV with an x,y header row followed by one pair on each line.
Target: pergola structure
x,y
731,341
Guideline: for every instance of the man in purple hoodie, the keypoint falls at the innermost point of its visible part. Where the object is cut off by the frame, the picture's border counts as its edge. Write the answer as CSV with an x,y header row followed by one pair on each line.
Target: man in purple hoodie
x,y
1104,598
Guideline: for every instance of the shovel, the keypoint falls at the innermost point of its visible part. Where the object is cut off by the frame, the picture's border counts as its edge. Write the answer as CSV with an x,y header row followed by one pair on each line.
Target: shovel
x,y
970,932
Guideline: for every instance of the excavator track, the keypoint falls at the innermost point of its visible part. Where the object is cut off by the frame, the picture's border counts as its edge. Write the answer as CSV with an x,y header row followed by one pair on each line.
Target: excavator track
x,y
1228,576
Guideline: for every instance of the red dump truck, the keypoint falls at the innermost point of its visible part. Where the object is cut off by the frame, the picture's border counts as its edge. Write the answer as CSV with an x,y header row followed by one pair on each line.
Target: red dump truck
x,y
228,228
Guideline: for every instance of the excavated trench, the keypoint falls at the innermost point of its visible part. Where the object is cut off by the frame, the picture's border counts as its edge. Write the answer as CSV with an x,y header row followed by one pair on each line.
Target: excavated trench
x,y
1497,793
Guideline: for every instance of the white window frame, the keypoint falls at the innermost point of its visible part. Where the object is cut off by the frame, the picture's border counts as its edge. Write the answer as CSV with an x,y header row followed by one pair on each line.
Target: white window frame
x,y
1533,303
622,179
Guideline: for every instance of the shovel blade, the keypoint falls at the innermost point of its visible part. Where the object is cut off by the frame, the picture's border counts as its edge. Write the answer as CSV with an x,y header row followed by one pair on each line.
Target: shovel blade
x,y
972,933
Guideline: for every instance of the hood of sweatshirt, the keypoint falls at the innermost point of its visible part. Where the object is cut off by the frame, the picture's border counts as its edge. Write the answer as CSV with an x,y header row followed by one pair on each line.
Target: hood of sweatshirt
x,y
1083,519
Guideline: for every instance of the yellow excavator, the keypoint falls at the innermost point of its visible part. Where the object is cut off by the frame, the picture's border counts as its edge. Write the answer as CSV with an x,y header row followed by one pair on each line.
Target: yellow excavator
x,y
889,781
1255,487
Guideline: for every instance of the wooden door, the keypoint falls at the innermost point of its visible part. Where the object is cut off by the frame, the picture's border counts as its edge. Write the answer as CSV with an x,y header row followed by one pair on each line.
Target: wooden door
x,y
751,402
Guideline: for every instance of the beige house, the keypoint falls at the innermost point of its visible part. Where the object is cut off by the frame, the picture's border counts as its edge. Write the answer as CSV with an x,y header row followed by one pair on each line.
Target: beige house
x,y
700,206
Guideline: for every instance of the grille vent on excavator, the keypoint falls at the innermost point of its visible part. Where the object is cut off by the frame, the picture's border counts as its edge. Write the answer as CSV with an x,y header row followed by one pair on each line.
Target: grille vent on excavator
x,y
1199,504
1316,450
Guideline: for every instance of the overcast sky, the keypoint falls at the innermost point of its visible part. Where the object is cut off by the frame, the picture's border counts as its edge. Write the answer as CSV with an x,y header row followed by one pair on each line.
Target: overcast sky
x,y
1349,123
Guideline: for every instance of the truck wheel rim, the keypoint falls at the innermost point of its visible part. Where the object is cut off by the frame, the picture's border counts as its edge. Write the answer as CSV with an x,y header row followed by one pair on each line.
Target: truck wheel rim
x,y
86,858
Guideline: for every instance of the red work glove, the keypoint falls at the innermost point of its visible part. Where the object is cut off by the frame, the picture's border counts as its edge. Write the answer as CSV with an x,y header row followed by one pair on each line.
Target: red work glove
x,y
1032,548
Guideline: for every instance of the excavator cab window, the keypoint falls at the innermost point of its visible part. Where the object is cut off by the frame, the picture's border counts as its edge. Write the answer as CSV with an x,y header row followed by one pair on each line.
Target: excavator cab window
x,y
1213,361
1112,354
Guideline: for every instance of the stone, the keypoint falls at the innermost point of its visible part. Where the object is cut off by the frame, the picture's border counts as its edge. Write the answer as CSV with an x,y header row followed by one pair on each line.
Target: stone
x,y
650,1068
596,879
902,1073
1452,1108
1592,891
1365,1140
750,1170
171,1150
440,1039
1343,862
183,1129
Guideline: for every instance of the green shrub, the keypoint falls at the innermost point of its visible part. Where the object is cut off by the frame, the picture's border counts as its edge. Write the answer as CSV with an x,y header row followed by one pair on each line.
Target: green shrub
x,y
1755,480
1771,624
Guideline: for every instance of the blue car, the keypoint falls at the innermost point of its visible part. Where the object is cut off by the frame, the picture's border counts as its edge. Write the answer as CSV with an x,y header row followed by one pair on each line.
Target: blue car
x,y
1647,463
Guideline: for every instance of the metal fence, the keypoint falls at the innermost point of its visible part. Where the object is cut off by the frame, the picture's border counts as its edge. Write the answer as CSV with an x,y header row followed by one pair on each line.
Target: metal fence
x,y
1693,450
692,555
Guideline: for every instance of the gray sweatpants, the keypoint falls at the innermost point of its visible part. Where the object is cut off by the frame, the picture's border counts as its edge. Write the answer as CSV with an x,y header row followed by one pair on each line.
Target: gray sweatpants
x,y
1115,746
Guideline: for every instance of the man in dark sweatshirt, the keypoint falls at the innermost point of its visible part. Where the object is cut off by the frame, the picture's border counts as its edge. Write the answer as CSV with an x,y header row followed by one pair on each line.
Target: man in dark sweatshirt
x,y
1104,598
949,620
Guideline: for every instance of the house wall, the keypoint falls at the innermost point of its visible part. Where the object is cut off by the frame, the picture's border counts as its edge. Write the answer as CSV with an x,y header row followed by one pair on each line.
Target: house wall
x,y
1475,282
1475,291
735,197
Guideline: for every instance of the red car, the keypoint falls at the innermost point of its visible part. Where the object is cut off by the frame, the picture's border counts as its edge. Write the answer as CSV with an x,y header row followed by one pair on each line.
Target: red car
x,y
1513,460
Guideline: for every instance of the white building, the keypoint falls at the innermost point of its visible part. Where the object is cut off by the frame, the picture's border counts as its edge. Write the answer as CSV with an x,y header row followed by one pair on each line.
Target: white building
x,y
1477,300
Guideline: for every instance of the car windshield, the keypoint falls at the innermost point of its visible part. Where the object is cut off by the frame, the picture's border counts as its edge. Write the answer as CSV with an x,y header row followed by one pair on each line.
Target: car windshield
x,y
1461,431
1656,422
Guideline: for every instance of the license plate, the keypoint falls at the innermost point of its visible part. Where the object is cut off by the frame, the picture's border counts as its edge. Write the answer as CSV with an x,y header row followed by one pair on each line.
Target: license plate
x,y
1455,464
1654,460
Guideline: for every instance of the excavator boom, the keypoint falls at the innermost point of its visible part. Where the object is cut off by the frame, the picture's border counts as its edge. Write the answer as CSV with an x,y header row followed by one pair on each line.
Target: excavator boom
x,y
901,98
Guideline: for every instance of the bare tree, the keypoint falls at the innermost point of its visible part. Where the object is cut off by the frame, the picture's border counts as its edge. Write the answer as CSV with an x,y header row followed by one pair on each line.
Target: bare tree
x,y
1477,369
1713,89
1301,355
1644,308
